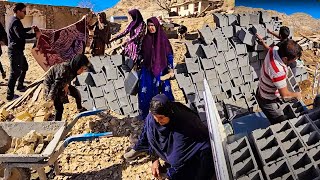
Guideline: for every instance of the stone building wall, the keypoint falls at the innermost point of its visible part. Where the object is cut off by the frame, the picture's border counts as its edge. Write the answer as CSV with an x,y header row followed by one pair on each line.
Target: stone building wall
x,y
44,16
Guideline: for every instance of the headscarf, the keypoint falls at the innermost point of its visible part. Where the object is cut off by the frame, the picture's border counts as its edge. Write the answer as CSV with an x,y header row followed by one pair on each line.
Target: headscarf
x,y
78,61
156,47
136,20
104,21
180,139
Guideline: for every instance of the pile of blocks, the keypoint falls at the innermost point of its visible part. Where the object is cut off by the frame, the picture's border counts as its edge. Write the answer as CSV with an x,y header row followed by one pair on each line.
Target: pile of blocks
x,y
288,150
230,59
104,87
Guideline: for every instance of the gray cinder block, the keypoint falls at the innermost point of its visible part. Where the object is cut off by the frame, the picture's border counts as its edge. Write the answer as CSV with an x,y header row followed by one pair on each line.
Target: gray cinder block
x,y
193,67
220,59
244,19
221,68
210,51
247,78
220,20
121,93
241,49
85,79
227,31
114,105
88,104
229,55
111,73
206,63
193,50
237,81
96,92
116,59
110,96
197,77
221,43
232,19
83,90
211,74
109,86
246,37
123,102
234,73
226,86
224,77
100,103
279,170
264,17
254,18
214,83
243,60
232,64
99,79
245,88
206,34
246,70
119,83
96,63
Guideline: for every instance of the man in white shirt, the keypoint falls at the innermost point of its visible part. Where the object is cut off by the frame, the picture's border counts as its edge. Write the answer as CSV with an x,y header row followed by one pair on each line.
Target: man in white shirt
x,y
273,85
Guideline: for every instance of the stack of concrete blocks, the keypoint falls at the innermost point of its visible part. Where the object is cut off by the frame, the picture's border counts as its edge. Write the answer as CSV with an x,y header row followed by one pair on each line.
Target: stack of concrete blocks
x,y
290,150
103,88
301,73
242,162
308,44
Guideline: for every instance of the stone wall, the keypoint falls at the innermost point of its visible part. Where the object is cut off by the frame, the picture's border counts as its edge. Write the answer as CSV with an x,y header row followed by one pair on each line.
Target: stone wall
x,y
44,16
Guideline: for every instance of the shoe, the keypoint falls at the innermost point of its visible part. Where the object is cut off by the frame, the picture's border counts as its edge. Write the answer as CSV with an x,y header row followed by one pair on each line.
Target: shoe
x,y
21,88
4,75
10,97
133,154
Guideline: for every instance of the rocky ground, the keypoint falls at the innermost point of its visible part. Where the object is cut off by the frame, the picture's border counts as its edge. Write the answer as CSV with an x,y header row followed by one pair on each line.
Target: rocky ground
x,y
102,159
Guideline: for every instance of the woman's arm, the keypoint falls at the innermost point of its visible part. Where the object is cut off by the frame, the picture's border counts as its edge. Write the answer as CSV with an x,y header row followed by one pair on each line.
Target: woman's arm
x,y
125,32
142,31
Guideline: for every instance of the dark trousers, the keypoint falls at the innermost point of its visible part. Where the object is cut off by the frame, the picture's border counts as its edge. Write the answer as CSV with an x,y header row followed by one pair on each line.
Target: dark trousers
x,y
200,167
18,70
58,104
1,68
272,109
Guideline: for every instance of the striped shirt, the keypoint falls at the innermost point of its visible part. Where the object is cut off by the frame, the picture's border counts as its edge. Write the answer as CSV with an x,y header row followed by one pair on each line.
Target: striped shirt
x,y
273,75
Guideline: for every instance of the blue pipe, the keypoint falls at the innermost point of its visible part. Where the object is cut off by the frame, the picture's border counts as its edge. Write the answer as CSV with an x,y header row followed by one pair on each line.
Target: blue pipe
x,y
86,137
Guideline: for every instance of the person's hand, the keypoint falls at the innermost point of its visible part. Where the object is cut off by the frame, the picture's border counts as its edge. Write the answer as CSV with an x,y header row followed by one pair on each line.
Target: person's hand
x,y
155,169
299,96
169,75
268,30
259,37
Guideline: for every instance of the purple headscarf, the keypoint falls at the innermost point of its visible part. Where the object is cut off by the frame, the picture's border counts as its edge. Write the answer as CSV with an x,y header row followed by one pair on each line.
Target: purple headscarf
x,y
136,20
156,47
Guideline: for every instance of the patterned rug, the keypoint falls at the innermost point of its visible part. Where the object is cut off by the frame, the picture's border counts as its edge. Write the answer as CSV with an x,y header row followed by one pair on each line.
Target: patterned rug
x,y
56,46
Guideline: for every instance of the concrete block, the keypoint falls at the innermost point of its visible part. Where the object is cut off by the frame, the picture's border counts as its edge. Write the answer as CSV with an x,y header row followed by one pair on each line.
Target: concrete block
x,y
237,81
100,103
303,166
210,51
230,55
193,67
211,74
243,60
221,68
131,83
183,80
133,99
246,70
96,63
264,17
109,86
193,50
254,18
246,37
199,86
118,83
206,34
255,175
214,83
221,43
279,170
110,96
242,161
244,20
224,77
314,154
116,59
227,31
197,77
308,172
232,19
99,79
220,20
126,110
96,92
234,73
85,79
220,59
111,73
235,90
121,93
206,63
245,88
124,101
222,96
237,97
241,49
247,78
226,86
114,105
232,64
135,106
253,86
83,90
189,89
290,142
88,104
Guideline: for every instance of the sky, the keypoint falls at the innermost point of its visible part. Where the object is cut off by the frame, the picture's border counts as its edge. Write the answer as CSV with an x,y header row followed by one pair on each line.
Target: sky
x,y
99,5
311,7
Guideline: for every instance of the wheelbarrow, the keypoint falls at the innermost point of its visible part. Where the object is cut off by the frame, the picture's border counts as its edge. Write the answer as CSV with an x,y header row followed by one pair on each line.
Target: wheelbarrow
x,y
17,166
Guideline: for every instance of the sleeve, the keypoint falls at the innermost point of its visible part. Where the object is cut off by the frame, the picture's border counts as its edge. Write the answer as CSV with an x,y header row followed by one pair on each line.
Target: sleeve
x,y
141,30
21,33
125,32
27,29
170,61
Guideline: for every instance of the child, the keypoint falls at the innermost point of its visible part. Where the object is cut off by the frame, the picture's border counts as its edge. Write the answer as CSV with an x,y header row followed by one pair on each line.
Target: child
x,y
57,83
